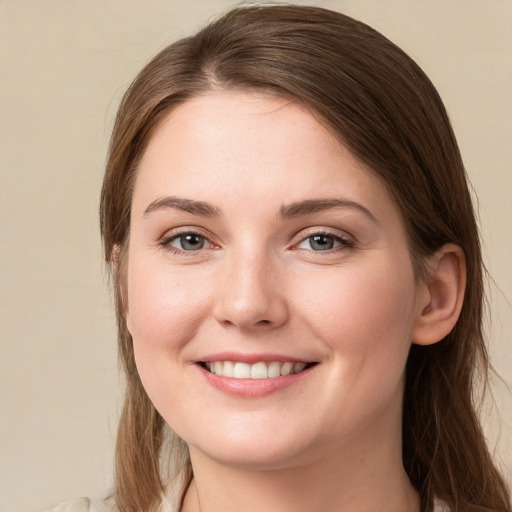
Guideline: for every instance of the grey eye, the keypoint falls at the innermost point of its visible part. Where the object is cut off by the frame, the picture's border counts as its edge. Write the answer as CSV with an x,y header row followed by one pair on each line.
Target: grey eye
x,y
321,242
189,242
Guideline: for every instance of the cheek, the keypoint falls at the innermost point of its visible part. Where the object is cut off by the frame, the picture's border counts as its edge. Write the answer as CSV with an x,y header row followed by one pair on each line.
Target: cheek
x,y
364,315
165,307
363,318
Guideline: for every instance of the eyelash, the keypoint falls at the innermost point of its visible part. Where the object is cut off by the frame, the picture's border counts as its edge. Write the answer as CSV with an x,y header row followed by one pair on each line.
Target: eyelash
x,y
344,243
166,242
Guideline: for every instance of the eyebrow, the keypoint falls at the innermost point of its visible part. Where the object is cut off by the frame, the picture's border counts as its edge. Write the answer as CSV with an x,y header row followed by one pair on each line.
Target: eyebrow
x,y
317,205
185,205
293,210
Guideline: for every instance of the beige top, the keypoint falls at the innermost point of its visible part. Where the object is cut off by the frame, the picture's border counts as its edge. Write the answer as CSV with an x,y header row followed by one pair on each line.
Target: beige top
x,y
88,505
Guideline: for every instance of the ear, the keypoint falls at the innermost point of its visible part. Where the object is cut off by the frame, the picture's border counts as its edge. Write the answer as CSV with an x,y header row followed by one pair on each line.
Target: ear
x,y
441,295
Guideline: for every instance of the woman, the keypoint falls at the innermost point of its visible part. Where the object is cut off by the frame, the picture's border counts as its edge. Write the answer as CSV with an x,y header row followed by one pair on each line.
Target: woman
x,y
298,277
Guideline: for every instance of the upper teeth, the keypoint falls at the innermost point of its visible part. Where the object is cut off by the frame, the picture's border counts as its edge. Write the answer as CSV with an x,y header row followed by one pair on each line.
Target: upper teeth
x,y
253,371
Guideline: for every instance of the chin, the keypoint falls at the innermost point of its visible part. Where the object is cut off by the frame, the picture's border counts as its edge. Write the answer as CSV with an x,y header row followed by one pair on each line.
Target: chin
x,y
252,453
252,460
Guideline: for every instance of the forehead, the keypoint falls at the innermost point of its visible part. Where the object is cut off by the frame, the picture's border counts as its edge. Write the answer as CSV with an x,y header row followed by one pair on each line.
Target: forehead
x,y
238,125
230,145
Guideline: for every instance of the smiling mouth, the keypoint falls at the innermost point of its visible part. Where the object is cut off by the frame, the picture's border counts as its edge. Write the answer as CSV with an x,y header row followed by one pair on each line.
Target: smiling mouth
x,y
260,370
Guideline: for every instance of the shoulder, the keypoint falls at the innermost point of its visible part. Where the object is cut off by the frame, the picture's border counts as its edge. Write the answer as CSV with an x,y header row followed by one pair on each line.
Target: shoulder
x,y
74,505
440,506
85,505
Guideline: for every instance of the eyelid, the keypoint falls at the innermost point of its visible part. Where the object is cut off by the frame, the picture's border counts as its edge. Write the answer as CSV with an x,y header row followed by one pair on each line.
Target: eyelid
x,y
173,234
343,237
322,230
346,240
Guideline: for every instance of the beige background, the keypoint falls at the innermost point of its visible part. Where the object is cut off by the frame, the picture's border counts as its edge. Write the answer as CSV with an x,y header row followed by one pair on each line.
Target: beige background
x,y
64,65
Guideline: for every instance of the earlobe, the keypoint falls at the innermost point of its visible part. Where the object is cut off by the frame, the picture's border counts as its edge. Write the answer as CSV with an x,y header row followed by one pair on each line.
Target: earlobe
x,y
442,296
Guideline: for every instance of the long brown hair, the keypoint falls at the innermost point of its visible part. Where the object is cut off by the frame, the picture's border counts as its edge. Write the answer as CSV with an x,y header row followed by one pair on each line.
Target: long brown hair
x,y
382,106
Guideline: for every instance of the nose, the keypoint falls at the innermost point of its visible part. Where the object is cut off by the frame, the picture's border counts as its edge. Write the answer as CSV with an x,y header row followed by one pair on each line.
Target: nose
x,y
249,294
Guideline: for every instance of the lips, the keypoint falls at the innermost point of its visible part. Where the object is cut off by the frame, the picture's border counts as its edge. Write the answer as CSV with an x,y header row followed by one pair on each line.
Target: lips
x,y
255,371
252,376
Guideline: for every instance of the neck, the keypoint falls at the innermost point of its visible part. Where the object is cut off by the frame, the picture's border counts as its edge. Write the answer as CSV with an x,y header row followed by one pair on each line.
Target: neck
x,y
356,477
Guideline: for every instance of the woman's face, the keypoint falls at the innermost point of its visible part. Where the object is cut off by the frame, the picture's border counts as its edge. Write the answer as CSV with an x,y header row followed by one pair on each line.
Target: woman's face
x,y
271,295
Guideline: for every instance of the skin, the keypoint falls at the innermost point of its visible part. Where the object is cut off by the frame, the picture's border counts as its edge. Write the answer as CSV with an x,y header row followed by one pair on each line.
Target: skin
x,y
331,441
